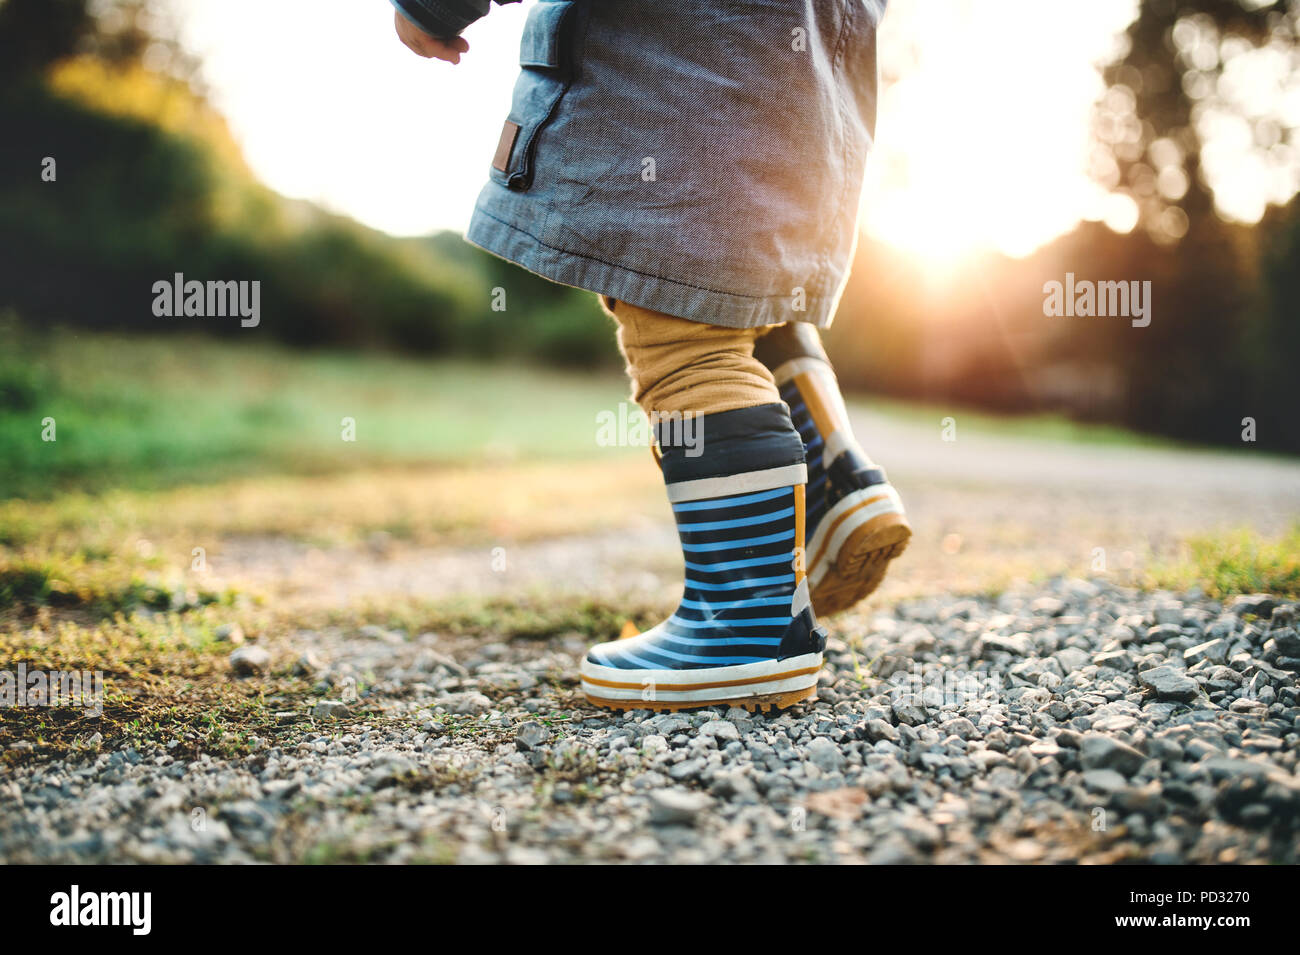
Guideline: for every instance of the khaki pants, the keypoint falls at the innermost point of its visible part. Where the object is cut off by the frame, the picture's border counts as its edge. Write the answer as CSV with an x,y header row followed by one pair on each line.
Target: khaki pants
x,y
684,366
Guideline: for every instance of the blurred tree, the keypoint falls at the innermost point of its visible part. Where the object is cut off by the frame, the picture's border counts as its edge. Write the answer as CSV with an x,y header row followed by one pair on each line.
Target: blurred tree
x,y
35,34
1150,143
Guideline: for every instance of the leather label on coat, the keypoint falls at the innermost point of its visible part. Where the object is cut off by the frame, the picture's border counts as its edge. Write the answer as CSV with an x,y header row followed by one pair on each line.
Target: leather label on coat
x,y
509,132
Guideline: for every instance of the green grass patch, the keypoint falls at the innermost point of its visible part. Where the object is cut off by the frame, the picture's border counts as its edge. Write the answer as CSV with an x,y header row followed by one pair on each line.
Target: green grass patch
x,y
154,412
166,683
99,587
1037,426
1236,562
164,680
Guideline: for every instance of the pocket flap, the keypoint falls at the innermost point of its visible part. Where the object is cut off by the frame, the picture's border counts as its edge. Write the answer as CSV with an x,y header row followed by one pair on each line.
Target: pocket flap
x,y
540,46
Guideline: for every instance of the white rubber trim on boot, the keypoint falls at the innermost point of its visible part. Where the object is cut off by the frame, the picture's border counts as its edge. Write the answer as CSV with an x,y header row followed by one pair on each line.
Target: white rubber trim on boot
x,y
835,444
892,504
737,682
704,488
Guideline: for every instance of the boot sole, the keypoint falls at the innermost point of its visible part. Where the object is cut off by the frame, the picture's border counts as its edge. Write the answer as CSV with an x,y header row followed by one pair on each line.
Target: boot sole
x,y
770,685
853,546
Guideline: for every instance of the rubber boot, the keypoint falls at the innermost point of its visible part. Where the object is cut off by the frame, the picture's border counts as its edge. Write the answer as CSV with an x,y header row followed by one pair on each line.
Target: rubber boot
x,y
744,633
856,522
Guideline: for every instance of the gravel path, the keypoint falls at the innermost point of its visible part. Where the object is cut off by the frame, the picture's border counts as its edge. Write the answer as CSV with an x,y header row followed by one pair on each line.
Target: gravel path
x,y
1078,721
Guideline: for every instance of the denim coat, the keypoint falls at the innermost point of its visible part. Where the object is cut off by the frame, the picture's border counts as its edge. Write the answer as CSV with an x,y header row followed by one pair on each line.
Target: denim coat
x,y
702,158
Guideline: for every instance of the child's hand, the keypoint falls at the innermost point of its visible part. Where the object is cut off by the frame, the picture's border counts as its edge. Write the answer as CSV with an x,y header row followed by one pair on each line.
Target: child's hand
x,y
426,45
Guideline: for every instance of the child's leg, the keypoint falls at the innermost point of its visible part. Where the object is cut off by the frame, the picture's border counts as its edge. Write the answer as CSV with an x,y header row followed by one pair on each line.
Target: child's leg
x,y
677,365
856,524
744,633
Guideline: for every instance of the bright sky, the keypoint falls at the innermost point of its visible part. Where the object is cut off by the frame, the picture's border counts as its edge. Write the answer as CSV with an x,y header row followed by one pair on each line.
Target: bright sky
x,y
982,141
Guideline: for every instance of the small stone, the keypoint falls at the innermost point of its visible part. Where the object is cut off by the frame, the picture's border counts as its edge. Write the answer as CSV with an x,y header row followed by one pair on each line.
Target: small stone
x,y
1047,607
1044,748
373,632
390,769
467,704
1170,684
1081,590
824,754
1071,659
1018,644
229,633
687,769
844,803
1097,751
1115,659
1216,651
250,661
531,735
877,730
731,784
987,759
908,712
1259,605
1168,615
676,807
1288,641
330,710
667,724
308,664
1104,780
893,850
246,814
723,730
959,727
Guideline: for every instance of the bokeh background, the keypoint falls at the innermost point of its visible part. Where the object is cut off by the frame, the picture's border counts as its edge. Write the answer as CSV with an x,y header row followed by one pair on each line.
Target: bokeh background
x,y
241,139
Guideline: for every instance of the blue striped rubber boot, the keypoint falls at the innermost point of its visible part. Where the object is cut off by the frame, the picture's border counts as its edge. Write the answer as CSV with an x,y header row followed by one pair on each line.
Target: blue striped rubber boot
x,y
856,522
744,633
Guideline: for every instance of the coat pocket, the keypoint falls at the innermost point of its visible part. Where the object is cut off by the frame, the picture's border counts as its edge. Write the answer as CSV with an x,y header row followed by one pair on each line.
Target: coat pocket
x,y
547,68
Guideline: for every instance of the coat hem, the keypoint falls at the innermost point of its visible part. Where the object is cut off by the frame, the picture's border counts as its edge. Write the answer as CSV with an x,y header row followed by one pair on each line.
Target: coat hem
x,y
709,306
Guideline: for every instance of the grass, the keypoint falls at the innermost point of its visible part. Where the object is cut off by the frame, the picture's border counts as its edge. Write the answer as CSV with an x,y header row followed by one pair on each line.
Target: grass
x,y
156,412
1237,562
1037,426
165,681
100,587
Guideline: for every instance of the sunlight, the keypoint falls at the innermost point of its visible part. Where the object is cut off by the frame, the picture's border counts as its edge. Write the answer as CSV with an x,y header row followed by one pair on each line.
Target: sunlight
x,y
983,136
983,141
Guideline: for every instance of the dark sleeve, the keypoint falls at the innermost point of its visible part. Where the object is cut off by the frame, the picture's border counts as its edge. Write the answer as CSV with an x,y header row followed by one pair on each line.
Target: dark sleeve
x,y
444,18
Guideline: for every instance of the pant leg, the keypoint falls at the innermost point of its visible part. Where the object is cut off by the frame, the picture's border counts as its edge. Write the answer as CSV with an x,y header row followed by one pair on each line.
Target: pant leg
x,y
677,365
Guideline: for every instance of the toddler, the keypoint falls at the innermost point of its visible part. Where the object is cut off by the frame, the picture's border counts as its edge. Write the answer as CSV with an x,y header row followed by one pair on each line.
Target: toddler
x,y
698,164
